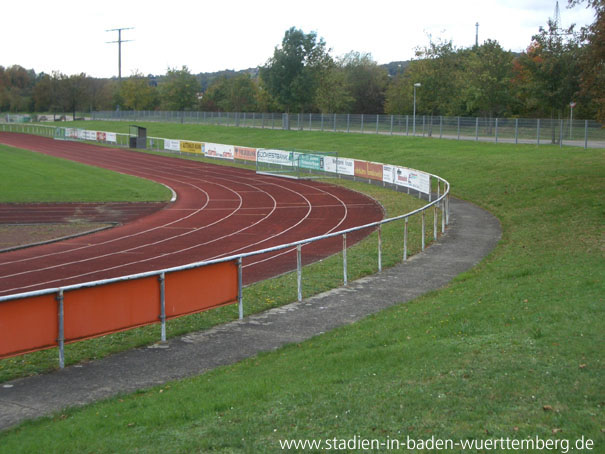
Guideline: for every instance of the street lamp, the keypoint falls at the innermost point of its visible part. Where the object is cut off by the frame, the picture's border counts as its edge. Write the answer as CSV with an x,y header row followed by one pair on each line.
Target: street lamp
x,y
572,105
417,84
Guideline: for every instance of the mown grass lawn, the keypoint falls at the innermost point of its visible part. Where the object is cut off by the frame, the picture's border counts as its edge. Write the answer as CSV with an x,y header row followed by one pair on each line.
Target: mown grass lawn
x,y
26,176
513,348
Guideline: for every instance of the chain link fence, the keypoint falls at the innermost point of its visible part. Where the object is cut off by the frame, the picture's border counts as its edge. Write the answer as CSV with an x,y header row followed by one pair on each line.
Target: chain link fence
x,y
581,133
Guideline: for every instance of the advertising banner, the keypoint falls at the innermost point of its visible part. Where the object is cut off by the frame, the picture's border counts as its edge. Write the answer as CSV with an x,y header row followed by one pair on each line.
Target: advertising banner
x,y
311,161
111,137
375,171
173,145
191,147
217,150
413,179
245,153
388,174
280,157
81,134
361,169
101,136
420,181
342,166
90,135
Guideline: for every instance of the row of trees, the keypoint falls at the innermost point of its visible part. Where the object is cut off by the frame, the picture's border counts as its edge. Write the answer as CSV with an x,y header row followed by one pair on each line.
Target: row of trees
x,y
558,67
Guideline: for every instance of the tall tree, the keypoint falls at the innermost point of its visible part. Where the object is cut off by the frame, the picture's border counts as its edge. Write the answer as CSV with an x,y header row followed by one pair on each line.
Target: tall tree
x,y
592,60
292,75
333,93
367,82
179,90
487,74
548,72
137,94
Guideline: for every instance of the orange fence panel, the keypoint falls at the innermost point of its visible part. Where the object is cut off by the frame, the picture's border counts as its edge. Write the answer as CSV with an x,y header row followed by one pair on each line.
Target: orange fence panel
x,y
201,288
28,324
95,311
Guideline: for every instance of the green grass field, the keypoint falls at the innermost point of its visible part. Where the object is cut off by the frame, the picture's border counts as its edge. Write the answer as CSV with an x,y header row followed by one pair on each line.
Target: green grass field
x,y
513,348
26,176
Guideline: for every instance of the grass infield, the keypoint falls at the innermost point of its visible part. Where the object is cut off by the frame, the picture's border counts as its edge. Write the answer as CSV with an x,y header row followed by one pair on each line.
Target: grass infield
x,y
26,176
513,348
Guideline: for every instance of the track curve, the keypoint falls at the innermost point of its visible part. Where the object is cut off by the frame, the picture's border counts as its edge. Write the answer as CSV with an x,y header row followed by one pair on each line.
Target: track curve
x,y
219,211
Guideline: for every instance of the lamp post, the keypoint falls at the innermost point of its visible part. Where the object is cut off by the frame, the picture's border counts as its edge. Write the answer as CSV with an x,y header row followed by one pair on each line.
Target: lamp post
x,y
571,105
417,84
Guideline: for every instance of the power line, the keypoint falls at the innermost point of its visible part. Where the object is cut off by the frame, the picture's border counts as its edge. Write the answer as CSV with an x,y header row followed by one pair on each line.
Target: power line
x,y
119,41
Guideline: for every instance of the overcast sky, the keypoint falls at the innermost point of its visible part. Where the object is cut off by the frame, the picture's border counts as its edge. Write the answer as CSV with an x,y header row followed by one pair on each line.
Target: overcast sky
x,y
71,37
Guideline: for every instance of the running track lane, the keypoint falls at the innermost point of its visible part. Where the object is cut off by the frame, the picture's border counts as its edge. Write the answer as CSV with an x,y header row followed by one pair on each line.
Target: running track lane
x,y
219,211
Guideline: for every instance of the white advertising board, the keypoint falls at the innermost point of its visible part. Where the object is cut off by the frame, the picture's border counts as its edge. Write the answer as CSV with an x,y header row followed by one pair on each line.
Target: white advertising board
x,y
413,179
342,166
281,157
111,137
173,145
388,173
90,135
217,150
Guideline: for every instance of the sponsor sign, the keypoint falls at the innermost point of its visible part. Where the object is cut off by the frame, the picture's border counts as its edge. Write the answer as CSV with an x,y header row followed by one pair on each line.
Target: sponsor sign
x,y
245,153
191,147
281,157
388,174
90,135
311,161
342,166
217,150
420,181
173,145
413,179
81,134
361,169
375,171
111,137
101,136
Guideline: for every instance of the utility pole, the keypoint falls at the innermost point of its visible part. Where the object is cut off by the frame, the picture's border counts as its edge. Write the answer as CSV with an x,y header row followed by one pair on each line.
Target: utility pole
x,y
477,34
119,41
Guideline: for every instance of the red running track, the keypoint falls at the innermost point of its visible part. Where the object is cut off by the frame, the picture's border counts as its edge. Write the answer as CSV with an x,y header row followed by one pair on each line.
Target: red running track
x,y
219,211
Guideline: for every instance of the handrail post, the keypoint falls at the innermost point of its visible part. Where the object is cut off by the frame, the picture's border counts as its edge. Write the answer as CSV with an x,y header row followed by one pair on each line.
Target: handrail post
x,y
435,215
162,279
423,229
405,240
240,293
442,215
299,271
61,330
344,258
379,248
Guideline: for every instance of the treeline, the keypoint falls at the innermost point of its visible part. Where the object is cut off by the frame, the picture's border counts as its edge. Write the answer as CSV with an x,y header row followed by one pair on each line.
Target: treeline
x,y
559,67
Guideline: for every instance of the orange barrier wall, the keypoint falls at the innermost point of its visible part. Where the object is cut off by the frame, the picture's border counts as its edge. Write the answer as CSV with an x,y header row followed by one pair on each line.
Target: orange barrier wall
x,y
200,289
28,324
31,324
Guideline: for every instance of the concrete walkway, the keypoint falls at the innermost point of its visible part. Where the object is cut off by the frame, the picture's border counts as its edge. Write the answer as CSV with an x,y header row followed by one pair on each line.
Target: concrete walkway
x,y
472,234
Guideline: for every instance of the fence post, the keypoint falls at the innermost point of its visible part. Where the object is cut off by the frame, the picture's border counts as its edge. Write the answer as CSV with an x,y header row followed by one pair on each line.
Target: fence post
x,y
240,293
538,127
344,258
458,128
379,248
405,240
334,122
391,124
407,125
162,279
442,204
362,123
496,130
377,118
348,122
561,135
435,222
61,330
423,229
585,134
299,271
